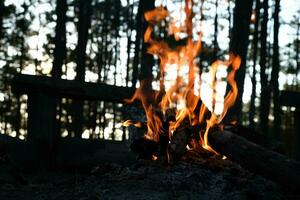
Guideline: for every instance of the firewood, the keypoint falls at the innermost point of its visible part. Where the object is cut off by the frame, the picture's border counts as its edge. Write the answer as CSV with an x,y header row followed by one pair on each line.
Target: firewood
x,y
257,159
145,148
178,143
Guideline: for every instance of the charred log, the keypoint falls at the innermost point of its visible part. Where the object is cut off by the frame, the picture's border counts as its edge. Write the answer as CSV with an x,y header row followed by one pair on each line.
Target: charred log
x,y
257,159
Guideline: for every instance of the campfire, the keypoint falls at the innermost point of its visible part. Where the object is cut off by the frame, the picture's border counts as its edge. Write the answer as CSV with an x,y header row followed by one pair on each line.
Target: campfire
x,y
184,109
186,96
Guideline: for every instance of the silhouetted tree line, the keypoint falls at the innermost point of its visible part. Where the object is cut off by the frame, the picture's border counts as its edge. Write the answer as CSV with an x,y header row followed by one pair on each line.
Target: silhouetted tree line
x,y
104,40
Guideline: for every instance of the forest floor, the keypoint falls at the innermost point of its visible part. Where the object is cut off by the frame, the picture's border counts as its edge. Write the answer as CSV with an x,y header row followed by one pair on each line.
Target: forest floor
x,y
201,178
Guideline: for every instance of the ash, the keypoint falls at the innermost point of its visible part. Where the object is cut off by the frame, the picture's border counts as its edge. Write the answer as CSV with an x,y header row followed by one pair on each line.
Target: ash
x,y
194,177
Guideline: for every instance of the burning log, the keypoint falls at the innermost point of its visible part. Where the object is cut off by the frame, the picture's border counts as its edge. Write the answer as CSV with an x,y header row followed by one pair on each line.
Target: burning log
x,y
257,159
184,92
249,155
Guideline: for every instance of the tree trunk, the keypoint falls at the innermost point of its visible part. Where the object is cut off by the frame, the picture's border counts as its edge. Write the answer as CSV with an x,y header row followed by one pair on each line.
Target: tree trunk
x,y
239,46
253,78
129,42
201,25
22,58
84,22
297,52
229,20
215,42
265,89
2,7
142,58
275,71
59,53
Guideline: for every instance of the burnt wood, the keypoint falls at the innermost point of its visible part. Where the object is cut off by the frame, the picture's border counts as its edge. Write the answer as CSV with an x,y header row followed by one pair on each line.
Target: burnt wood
x,y
257,159
29,84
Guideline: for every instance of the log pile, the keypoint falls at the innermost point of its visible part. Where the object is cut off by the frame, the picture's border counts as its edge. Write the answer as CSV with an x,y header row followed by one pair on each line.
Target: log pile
x,y
249,155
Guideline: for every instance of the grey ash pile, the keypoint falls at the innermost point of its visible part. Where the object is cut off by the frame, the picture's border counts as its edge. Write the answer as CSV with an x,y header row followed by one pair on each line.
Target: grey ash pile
x,y
197,176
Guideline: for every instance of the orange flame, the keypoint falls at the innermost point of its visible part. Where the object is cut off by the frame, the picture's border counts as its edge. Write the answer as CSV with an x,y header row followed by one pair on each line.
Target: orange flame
x,y
181,86
130,122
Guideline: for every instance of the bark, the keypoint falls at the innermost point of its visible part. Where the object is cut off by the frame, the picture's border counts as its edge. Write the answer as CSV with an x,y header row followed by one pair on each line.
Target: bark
x,y
2,7
59,53
257,159
21,63
84,22
22,58
265,89
2,116
253,78
137,45
298,51
142,58
201,65
229,19
129,43
215,42
239,46
275,71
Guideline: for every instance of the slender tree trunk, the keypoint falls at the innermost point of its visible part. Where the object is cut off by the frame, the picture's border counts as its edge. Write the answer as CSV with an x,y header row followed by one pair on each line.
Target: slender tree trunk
x,y
147,60
101,66
84,22
137,45
265,89
201,26
253,78
229,20
239,46
297,52
21,63
59,53
22,58
215,42
129,42
275,70
18,116
142,58
2,8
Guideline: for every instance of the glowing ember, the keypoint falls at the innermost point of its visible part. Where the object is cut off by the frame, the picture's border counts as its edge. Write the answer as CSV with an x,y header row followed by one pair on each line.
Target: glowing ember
x,y
182,87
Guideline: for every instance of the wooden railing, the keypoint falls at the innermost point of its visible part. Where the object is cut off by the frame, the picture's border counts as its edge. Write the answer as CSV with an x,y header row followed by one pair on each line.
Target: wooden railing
x,y
44,148
44,144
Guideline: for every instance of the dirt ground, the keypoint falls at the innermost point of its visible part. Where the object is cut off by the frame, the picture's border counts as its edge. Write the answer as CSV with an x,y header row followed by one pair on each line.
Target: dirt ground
x,y
201,178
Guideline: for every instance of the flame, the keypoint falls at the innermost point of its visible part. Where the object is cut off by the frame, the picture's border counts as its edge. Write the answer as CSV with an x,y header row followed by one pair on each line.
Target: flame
x,y
182,86
130,122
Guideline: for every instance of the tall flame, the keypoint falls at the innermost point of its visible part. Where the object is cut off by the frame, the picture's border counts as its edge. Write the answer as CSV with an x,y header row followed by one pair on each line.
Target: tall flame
x,y
181,86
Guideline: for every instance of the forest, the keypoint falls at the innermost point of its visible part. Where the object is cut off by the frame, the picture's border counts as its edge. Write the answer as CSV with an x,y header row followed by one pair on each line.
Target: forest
x,y
44,38
67,66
